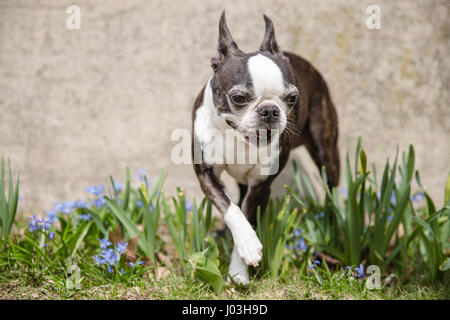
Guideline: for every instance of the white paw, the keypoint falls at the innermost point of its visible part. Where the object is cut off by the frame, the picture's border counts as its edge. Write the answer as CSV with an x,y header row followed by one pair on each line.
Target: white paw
x,y
237,270
246,242
248,246
240,279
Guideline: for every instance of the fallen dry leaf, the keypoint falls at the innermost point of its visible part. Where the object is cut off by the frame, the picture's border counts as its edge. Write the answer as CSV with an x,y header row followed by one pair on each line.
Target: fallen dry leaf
x,y
162,273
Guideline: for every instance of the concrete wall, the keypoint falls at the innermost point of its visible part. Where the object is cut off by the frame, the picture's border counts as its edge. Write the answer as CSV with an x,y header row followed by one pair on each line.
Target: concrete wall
x,y
79,105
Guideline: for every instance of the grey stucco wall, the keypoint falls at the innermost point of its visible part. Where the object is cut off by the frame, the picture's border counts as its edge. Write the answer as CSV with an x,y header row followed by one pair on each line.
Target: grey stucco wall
x,y
79,105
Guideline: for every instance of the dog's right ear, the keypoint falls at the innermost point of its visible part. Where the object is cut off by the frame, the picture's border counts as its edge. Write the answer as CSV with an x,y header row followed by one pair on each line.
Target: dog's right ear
x,y
226,46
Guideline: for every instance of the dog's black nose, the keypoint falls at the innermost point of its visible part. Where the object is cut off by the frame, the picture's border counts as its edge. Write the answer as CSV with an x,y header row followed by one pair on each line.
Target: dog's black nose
x,y
269,113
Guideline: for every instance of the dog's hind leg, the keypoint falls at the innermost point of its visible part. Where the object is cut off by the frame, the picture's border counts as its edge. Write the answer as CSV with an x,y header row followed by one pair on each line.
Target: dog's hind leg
x,y
322,134
242,193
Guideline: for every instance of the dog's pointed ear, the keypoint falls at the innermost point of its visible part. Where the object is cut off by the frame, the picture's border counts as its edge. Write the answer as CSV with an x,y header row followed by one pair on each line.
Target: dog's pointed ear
x,y
226,45
269,42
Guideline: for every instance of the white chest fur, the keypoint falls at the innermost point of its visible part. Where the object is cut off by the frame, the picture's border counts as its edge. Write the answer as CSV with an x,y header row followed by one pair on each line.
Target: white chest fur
x,y
244,162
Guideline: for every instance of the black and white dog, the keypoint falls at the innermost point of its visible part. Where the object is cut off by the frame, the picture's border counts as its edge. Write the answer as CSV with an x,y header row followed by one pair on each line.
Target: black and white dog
x,y
248,93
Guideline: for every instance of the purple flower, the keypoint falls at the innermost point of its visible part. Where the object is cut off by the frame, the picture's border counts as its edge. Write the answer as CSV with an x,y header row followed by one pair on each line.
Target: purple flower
x,y
141,173
35,224
108,256
45,224
298,232
104,243
85,217
118,186
96,190
99,202
300,245
52,215
121,247
51,235
393,199
187,205
360,271
418,197
81,204
132,265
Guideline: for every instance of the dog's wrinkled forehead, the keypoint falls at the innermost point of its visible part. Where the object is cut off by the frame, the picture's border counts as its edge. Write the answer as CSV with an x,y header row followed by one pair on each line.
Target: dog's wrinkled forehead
x,y
260,72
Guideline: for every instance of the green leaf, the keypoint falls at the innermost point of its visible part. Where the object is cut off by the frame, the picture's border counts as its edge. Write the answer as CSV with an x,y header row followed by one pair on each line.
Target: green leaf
x,y
205,266
445,265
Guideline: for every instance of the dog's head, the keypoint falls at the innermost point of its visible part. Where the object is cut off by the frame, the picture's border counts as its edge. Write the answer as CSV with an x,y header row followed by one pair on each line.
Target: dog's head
x,y
253,91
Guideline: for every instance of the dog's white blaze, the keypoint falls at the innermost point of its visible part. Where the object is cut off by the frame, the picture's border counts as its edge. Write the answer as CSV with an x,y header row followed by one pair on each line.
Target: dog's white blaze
x,y
266,76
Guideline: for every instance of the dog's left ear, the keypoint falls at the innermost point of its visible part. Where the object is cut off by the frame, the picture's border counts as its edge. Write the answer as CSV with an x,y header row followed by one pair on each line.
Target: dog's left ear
x,y
269,42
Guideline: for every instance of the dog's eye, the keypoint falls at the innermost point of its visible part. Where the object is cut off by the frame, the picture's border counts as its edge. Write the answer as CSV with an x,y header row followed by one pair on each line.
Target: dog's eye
x,y
239,99
291,99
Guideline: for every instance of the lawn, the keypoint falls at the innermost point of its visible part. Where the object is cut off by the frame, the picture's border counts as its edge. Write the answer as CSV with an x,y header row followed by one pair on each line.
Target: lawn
x,y
380,237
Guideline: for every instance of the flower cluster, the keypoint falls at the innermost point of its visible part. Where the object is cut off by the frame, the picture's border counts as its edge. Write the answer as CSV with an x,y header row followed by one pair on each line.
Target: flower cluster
x,y
315,262
65,207
99,202
35,224
360,271
109,256
298,241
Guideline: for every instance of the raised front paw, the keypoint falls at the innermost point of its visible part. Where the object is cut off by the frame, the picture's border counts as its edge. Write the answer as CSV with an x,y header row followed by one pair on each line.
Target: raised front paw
x,y
249,247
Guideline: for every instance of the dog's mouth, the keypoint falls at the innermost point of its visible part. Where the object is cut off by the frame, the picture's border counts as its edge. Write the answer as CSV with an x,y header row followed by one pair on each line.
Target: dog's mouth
x,y
257,133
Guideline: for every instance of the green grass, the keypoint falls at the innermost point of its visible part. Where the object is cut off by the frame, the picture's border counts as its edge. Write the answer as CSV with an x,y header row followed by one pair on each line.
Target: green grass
x,y
20,285
311,246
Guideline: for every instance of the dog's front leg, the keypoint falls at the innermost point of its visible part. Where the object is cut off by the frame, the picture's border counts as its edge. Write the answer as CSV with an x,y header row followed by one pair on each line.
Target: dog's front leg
x,y
247,248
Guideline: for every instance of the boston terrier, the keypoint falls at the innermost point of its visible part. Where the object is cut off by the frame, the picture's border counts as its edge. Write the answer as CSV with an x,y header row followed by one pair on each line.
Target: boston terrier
x,y
268,98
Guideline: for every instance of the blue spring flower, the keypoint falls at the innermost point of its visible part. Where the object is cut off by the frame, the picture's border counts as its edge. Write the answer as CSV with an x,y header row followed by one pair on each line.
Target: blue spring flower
x,y
118,186
315,262
104,243
99,202
85,217
187,205
81,204
301,245
418,197
33,224
360,271
141,173
109,256
51,235
298,232
51,215
96,190
132,265
121,247
393,199
45,224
